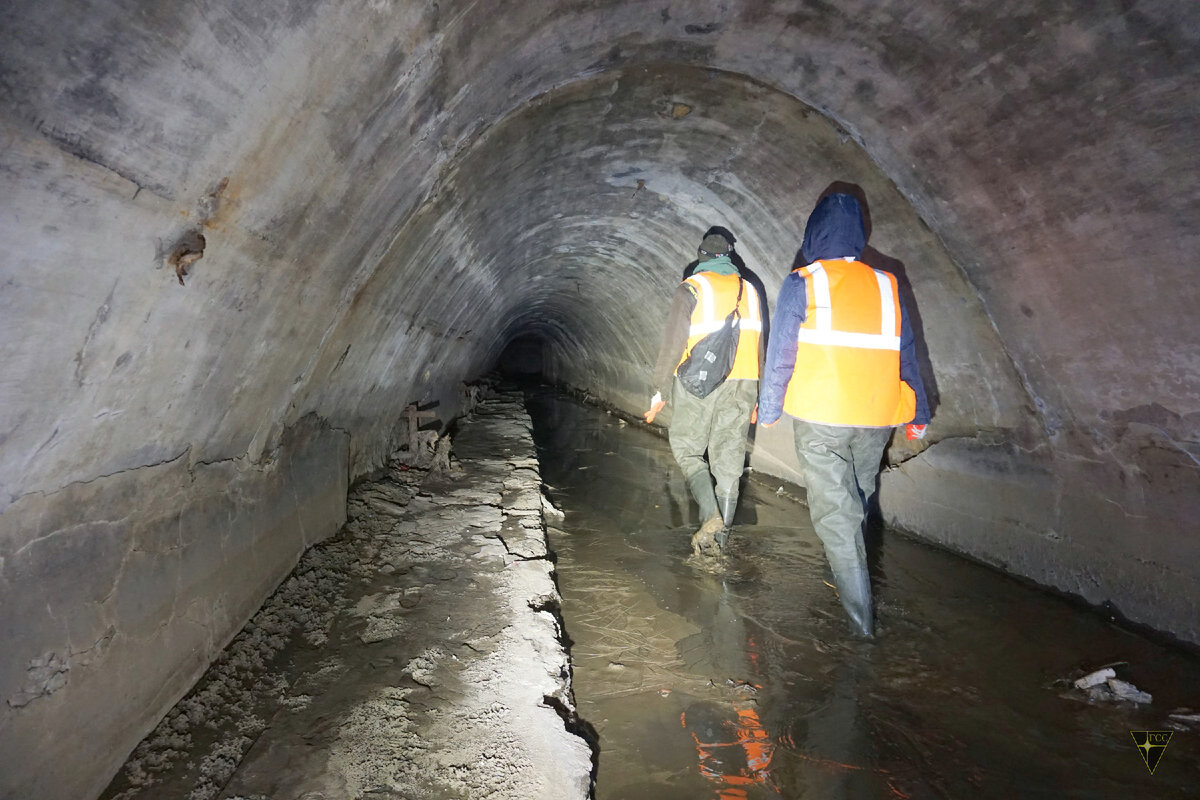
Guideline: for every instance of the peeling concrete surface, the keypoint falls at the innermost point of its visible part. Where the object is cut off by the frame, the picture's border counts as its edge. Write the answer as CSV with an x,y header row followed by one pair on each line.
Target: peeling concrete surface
x,y
418,654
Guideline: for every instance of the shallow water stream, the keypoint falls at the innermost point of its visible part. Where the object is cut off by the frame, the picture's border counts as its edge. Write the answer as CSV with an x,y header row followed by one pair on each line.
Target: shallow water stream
x,y
743,683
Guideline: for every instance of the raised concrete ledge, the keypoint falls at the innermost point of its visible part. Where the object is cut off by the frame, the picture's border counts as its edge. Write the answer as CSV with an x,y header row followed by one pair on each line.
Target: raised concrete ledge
x,y
117,593
1065,524
417,653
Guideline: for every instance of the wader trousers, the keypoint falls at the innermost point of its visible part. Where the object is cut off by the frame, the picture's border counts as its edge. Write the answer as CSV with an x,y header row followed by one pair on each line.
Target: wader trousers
x,y
840,465
718,424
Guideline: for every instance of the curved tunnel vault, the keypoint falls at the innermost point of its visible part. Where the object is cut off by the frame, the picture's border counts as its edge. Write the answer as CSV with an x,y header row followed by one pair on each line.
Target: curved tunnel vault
x,y
391,194
575,215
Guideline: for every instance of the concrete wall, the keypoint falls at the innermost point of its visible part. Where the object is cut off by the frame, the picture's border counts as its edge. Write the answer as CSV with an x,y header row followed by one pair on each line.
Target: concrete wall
x,y
118,592
391,192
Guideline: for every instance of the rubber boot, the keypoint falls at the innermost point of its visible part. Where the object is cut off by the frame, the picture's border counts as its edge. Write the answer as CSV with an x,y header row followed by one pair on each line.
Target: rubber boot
x,y
705,537
854,590
727,503
704,540
700,485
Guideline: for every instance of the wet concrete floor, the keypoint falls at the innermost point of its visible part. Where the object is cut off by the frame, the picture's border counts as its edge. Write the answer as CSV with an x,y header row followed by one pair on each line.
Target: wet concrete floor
x,y
744,683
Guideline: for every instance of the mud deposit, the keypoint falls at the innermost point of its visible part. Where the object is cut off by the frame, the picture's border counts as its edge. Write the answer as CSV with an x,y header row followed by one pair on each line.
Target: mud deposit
x,y
740,681
416,655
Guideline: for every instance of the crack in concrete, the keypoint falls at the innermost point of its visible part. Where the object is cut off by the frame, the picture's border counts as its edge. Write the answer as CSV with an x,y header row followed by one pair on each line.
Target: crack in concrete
x,y
73,144
243,458
910,456
70,529
94,328
48,493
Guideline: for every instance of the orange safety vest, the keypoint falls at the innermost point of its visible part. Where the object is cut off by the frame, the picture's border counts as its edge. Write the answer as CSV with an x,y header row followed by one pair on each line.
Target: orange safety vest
x,y
848,349
715,296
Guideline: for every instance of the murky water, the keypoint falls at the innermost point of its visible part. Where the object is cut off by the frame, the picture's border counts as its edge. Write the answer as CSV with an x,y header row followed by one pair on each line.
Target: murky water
x,y
743,683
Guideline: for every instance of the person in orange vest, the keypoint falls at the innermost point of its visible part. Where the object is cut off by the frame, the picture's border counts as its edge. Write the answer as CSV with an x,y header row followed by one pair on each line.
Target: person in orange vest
x,y
842,363
716,424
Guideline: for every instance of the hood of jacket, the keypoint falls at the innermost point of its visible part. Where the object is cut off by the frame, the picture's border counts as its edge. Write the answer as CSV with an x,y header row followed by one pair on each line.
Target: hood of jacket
x,y
834,230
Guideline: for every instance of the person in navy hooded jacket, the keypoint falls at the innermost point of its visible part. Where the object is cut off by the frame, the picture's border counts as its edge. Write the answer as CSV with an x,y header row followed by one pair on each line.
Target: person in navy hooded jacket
x,y
841,362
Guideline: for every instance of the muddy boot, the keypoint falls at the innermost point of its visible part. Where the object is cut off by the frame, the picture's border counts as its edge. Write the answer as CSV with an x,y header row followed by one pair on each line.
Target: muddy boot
x,y
854,590
704,540
727,503
700,485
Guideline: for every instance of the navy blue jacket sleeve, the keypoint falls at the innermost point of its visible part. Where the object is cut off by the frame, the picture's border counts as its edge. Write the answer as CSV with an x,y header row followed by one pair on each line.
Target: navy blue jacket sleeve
x,y
790,312
910,372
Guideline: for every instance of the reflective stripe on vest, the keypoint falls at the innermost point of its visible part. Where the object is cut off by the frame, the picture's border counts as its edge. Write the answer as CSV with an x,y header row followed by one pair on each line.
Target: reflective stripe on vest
x,y
715,296
706,319
823,332
848,349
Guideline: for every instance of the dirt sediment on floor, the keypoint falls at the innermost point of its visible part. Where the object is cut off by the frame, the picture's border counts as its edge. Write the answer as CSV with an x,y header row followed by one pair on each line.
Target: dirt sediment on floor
x,y
418,654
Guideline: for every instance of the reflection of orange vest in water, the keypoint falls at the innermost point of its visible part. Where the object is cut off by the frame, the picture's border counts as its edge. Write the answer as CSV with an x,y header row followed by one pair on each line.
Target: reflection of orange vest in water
x,y
715,297
741,755
848,349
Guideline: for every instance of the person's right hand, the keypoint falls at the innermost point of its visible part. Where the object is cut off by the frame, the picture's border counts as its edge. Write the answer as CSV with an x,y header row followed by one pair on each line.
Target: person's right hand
x,y
657,404
762,423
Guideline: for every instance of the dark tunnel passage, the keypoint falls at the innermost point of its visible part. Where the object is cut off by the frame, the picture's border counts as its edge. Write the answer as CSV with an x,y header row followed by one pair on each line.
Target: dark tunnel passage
x,y
240,241
523,357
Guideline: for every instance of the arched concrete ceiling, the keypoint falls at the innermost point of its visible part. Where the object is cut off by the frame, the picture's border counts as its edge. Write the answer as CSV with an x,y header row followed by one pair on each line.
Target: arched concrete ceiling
x,y
1036,142
391,191
572,218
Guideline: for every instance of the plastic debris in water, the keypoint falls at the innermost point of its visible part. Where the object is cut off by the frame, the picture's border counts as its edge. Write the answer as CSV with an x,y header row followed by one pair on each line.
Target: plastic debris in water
x,y
1095,678
1183,719
1104,685
1127,691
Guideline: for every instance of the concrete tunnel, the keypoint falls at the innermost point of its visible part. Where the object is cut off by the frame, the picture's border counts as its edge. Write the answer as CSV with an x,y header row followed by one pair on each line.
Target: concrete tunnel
x,y
391,194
